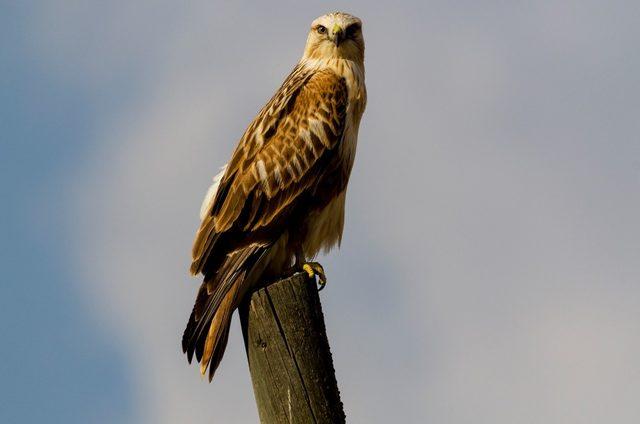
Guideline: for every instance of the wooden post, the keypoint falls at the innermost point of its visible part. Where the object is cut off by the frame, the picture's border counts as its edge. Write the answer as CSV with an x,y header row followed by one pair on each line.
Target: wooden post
x,y
289,357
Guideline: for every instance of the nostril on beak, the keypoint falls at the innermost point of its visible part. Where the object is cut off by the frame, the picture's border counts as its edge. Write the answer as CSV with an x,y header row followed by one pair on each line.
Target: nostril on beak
x,y
338,36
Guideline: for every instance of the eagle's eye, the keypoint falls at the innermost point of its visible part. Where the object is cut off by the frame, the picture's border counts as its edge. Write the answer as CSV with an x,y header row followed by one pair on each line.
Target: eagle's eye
x,y
321,29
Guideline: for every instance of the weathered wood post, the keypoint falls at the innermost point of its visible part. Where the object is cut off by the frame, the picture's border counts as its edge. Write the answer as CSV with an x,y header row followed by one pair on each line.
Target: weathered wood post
x,y
288,352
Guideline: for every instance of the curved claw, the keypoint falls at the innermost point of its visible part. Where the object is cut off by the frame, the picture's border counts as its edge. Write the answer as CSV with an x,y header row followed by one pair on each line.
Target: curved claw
x,y
313,269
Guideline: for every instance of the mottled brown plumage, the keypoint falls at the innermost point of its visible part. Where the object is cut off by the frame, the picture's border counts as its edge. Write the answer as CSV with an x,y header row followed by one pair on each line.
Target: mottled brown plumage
x,y
282,193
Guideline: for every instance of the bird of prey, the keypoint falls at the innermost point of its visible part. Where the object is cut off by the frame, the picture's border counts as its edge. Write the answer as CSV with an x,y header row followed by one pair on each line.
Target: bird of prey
x,y
280,199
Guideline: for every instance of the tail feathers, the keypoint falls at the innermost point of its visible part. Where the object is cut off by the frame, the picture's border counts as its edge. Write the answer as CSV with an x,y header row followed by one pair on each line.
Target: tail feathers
x,y
207,331
216,340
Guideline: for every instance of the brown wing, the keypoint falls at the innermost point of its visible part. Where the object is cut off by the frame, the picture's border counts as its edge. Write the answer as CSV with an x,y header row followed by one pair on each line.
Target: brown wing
x,y
280,156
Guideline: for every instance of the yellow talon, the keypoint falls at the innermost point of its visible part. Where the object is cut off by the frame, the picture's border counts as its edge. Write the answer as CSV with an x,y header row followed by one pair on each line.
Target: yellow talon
x,y
314,268
309,270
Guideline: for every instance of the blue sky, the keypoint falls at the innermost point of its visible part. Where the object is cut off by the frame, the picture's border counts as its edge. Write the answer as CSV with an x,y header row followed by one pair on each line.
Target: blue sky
x,y
491,257
55,357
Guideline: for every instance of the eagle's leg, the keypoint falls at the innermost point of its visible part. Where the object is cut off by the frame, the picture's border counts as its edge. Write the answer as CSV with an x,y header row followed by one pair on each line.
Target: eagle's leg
x,y
311,268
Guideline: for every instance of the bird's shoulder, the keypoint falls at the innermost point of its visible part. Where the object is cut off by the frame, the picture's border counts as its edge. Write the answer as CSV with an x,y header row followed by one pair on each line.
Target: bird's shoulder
x,y
304,91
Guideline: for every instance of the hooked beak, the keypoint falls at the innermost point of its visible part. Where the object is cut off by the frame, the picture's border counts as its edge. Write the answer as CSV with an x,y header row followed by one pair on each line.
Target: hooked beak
x,y
338,35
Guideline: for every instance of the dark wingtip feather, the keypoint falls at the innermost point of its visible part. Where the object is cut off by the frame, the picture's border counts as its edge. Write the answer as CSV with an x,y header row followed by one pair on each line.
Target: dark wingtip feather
x,y
187,346
185,335
190,337
198,345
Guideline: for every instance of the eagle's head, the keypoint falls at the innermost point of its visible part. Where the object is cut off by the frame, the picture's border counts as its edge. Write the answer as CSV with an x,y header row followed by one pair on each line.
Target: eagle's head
x,y
335,35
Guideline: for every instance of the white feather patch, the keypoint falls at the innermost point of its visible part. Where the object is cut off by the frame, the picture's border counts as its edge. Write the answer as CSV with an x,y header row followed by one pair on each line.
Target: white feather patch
x,y
306,137
277,175
207,203
262,171
318,128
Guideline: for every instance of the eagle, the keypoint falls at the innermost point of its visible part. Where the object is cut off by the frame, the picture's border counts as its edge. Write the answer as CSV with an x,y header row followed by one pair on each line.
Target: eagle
x,y
280,200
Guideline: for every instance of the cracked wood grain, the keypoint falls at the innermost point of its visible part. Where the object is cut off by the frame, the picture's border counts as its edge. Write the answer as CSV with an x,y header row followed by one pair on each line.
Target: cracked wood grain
x,y
289,357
